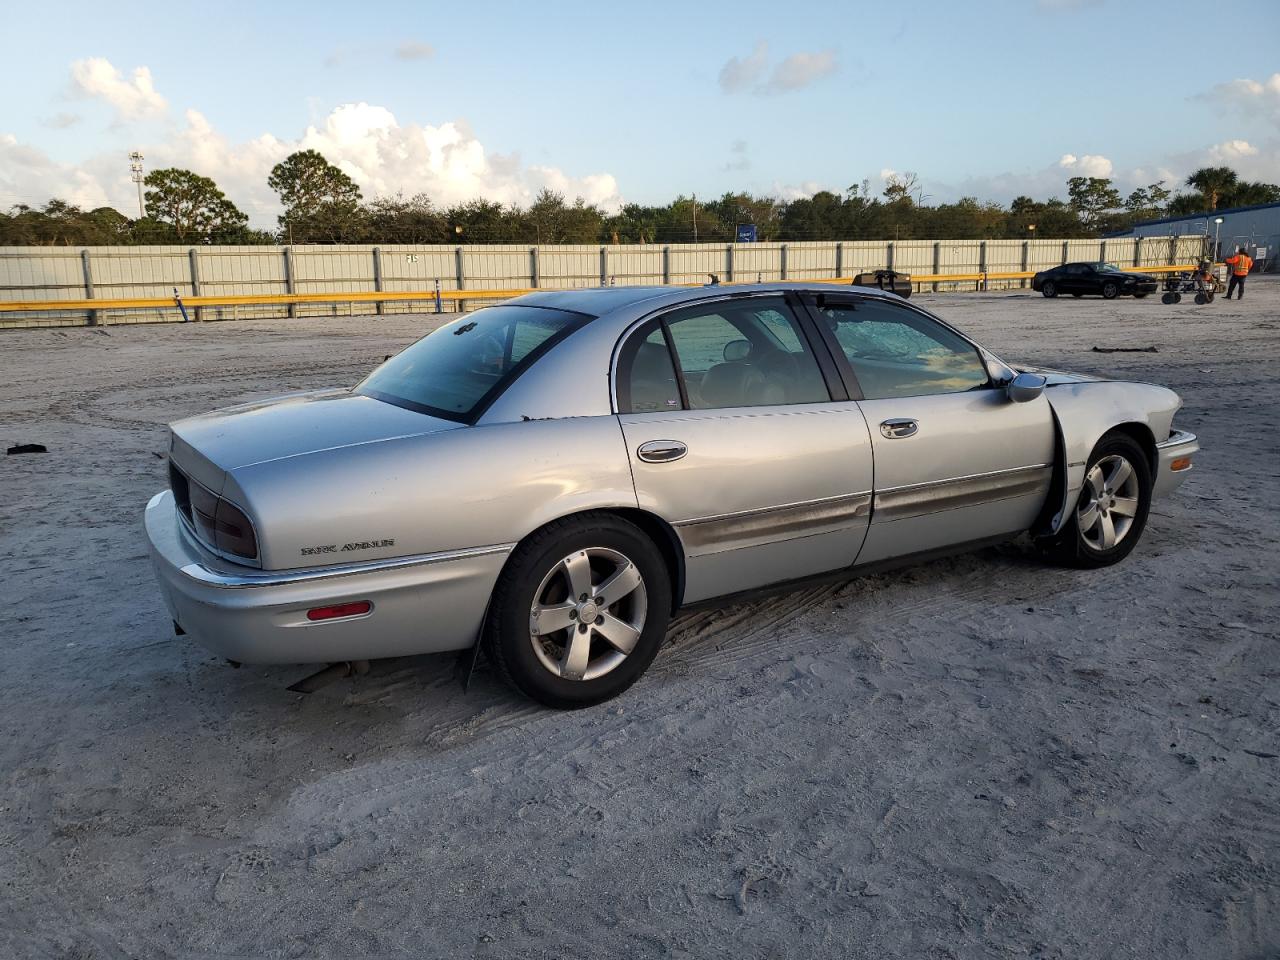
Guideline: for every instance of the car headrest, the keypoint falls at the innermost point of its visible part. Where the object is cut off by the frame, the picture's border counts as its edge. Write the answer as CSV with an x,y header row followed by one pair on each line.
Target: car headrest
x,y
731,385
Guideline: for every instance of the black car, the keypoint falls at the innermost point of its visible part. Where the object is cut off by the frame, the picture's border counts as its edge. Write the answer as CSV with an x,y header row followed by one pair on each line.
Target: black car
x,y
1105,279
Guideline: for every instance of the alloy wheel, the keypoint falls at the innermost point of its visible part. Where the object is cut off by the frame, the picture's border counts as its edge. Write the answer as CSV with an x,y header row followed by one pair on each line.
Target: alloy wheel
x,y
588,613
1108,503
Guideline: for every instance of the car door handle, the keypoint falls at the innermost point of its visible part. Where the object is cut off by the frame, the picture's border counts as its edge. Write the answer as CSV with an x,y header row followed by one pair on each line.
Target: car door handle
x,y
897,429
661,451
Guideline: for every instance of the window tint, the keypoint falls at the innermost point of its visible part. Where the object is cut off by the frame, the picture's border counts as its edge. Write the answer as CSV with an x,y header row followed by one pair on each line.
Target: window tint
x,y
745,353
652,378
896,352
455,370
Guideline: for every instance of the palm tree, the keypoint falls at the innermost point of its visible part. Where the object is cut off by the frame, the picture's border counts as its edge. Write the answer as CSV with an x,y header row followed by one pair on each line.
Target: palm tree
x,y
1213,183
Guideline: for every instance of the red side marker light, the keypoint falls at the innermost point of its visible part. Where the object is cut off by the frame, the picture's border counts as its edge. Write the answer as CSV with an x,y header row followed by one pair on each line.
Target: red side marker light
x,y
353,609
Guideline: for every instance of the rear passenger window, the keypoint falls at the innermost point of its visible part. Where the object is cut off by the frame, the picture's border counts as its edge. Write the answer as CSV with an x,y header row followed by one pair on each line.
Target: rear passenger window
x,y
744,352
651,382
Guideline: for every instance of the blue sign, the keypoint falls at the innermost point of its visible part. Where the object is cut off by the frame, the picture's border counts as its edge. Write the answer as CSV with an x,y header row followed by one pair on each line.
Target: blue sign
x,y
746,233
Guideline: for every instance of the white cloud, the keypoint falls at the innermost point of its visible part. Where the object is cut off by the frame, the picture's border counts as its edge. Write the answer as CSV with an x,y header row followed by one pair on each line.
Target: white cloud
x,y
60,121
132,99
800,70
1251,98
1090,165
739,157
415,50
795,72
382,155
29,176
738,75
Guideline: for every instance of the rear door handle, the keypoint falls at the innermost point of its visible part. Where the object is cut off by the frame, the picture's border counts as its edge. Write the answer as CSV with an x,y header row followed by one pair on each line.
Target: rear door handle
x,y
661,451
898,428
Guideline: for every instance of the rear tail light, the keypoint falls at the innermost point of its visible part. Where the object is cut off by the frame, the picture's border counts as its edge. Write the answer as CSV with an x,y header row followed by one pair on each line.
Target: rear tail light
x,y
217,522
354,609
233,533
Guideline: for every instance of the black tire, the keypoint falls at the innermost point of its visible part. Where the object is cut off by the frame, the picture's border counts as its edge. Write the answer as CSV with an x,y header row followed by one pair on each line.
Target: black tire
x,y
1201,299
1049,289
508,638
1075,547
1168,298
1110,290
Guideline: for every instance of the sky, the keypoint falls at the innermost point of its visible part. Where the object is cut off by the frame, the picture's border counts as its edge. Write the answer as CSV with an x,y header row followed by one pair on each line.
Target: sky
x,y
636,102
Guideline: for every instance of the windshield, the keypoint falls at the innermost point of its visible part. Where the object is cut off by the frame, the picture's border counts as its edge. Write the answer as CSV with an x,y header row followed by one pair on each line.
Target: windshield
x,y
457,370
1107,268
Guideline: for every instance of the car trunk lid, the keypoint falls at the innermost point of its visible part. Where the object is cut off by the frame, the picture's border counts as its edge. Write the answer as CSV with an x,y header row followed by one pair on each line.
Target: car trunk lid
x,y
209,445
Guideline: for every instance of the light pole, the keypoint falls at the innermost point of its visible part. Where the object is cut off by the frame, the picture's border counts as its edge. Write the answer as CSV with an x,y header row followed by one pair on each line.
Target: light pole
x,y
135,172
1217,228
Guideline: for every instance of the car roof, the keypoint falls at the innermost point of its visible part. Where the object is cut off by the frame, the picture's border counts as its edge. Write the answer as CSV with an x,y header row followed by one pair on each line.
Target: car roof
x,y
599,301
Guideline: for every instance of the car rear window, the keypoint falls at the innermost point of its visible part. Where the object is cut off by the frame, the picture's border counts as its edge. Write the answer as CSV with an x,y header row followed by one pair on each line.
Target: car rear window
x,y
456,371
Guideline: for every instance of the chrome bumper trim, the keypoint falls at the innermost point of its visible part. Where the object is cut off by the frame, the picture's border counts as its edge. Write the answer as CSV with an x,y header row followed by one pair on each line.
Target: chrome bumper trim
x,y
1177,438
215,578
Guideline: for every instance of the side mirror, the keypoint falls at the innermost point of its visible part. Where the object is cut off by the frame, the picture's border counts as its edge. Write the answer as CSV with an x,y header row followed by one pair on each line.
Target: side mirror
x,y
1025,387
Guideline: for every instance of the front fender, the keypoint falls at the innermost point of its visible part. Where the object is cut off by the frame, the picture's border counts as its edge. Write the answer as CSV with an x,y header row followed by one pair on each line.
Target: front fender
x,y
1085,411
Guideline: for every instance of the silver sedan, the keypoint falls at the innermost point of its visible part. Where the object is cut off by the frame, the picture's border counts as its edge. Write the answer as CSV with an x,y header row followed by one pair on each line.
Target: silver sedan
x,y
550,479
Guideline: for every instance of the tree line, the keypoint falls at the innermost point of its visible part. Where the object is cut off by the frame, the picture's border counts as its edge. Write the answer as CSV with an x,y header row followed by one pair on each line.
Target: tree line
x,y
322,204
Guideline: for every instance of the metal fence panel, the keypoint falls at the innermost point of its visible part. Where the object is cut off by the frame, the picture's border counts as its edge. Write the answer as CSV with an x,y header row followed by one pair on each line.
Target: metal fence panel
x,y
58,273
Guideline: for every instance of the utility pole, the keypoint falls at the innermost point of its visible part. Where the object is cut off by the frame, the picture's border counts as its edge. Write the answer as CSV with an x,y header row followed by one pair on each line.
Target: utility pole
x,y
135,171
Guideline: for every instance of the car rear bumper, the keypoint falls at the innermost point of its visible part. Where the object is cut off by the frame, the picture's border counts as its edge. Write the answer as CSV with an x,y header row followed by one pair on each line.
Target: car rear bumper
x,y
1174,462
421,604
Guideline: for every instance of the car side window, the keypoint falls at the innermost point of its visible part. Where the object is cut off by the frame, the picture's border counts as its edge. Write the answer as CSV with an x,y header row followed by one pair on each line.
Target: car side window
x,y
732,353
649,383
897,352
745,352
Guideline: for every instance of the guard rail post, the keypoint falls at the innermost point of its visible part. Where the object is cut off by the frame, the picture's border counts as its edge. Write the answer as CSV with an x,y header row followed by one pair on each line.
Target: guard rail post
x,y
533,267
728,263
1026,262
380,307
460,276
193,257
839,259
937,262
88,286
666,265
288,279
782,261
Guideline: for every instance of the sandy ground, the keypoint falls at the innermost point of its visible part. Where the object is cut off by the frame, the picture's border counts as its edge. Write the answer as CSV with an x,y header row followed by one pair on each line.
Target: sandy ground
x,y
978,757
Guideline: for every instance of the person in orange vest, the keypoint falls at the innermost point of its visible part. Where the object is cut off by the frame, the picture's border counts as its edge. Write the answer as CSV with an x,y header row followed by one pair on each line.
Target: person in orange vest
x,y
1240,265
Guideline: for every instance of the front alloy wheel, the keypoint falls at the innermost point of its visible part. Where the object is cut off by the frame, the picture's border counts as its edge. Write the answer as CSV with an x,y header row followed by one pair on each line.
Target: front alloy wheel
x,y
1110,291
1110,511
1050,289
1108,503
